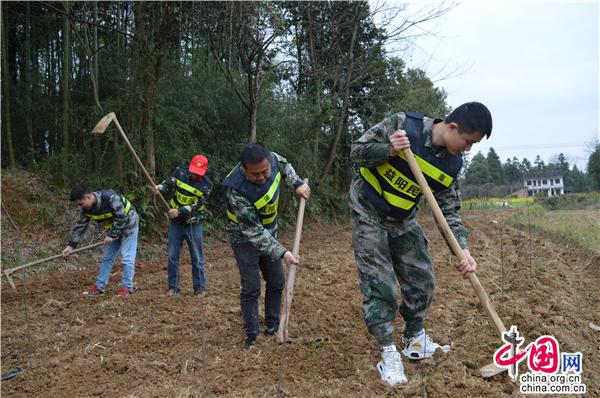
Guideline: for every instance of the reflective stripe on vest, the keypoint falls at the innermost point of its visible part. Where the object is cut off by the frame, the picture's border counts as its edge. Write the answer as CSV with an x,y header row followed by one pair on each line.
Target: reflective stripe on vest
x,y
269,220
391,186
267,211
180,199
106,219
402,183
431,171
392,199
266,198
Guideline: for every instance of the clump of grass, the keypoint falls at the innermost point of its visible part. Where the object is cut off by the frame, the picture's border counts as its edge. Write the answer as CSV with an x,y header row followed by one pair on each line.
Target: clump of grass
x,y
578,227
576,201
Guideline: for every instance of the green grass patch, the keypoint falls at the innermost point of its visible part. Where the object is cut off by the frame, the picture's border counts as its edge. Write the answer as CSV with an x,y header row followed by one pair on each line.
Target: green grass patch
x,y
495,203
578,227
575,201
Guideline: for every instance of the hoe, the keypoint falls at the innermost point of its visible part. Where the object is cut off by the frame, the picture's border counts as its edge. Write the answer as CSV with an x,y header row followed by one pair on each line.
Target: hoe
x,y
288,294
490,369
101,128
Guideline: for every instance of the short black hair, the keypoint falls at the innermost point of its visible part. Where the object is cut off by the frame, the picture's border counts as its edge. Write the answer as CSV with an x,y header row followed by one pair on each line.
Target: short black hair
x,y
471,117
78,193
254,153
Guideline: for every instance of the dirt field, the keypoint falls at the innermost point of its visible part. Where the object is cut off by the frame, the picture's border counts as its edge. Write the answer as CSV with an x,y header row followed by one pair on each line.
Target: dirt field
x,y
150,345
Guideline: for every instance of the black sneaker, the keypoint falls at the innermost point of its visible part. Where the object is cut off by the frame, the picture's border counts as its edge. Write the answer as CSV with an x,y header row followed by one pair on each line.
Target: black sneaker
x,y
250,340
271,330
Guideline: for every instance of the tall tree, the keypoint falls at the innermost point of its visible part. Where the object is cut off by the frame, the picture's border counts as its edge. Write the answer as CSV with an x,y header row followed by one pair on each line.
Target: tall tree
x,y
577,180
241,36
156,32
6,91
563,164
525,166
28,83
347,82
539,164
593,169
478,172
512,171
66,77
495,167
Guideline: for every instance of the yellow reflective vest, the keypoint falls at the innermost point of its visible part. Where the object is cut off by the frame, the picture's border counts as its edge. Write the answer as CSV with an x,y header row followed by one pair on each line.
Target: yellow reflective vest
x,y
265,198
186,191
391,186
104,214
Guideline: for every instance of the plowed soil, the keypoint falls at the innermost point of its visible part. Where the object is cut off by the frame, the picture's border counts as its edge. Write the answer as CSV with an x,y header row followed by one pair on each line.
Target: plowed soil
x,y
150,345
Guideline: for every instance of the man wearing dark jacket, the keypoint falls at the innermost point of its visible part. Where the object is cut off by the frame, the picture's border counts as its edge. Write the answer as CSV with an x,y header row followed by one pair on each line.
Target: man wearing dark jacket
x,y
187,188
253,191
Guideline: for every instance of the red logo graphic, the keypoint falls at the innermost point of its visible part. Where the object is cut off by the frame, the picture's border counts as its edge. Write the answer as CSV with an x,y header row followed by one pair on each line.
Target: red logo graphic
x,y
543,354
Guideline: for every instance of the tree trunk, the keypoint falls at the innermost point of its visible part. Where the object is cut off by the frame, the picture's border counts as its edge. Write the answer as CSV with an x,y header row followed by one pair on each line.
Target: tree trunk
x,y
6,92
151,62
28,72
315,87
53,134
66,41
253,88
94,58
118,156
344,110
96,69
253,114
147,125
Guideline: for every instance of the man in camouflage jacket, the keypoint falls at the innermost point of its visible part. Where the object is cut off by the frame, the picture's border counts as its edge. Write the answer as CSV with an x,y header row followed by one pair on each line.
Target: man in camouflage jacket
x,y
388,242
253,193
118,216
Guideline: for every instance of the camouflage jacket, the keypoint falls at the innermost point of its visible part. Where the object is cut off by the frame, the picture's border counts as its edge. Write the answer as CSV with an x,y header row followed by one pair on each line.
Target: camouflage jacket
x,y
192,213
372,149
123,224
248,229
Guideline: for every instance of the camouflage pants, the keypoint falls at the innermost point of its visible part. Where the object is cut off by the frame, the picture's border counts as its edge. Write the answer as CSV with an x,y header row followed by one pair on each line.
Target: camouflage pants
x,y
384,257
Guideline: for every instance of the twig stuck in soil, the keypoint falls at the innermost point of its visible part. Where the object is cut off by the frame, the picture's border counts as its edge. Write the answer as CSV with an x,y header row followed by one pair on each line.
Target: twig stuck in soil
x,y
90,347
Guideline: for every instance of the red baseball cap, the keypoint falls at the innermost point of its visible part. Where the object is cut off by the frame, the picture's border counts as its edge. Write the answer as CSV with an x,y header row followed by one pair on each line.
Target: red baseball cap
x,y
199,164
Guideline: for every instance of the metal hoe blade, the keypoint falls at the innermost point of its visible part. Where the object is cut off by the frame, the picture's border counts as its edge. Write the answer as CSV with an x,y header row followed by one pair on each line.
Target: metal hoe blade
x,y
490,370
103,123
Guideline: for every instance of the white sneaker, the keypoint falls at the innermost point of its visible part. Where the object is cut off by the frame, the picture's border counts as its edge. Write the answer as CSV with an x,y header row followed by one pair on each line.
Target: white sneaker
x,y
391,369
421,346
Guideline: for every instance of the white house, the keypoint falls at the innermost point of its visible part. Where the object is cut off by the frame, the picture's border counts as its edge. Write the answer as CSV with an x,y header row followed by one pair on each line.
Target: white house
x,y
551,184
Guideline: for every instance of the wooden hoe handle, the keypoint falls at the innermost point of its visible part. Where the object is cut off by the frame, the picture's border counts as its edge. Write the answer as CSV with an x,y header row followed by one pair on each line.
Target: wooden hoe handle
x,y
456,249
11,270
139,162
101,128
288,293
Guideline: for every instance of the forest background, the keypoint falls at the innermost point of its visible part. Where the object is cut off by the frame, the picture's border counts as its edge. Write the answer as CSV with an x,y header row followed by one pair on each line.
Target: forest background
x,y
306,78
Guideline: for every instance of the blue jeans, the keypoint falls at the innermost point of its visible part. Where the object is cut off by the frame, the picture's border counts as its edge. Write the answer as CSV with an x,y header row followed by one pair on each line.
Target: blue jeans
x,y
127,246
192,234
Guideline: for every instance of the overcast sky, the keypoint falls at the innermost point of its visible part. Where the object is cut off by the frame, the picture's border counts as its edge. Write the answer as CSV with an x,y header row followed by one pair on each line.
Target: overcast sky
x,y
535,64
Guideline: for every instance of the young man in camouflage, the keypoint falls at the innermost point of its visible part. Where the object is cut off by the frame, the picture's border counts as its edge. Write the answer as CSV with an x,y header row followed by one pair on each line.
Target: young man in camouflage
x,y
253,191
389,244
187,188
118,216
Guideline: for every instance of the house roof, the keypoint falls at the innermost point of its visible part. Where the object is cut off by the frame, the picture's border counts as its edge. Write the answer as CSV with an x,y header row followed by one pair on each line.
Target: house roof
x,y
543,174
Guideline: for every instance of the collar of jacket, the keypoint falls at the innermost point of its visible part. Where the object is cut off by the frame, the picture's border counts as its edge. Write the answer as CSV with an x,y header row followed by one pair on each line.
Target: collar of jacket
x,y
98,196
438,151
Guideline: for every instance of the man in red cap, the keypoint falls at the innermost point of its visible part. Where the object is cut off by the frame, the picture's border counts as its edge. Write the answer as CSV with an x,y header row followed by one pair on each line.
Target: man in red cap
x,y
188,188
